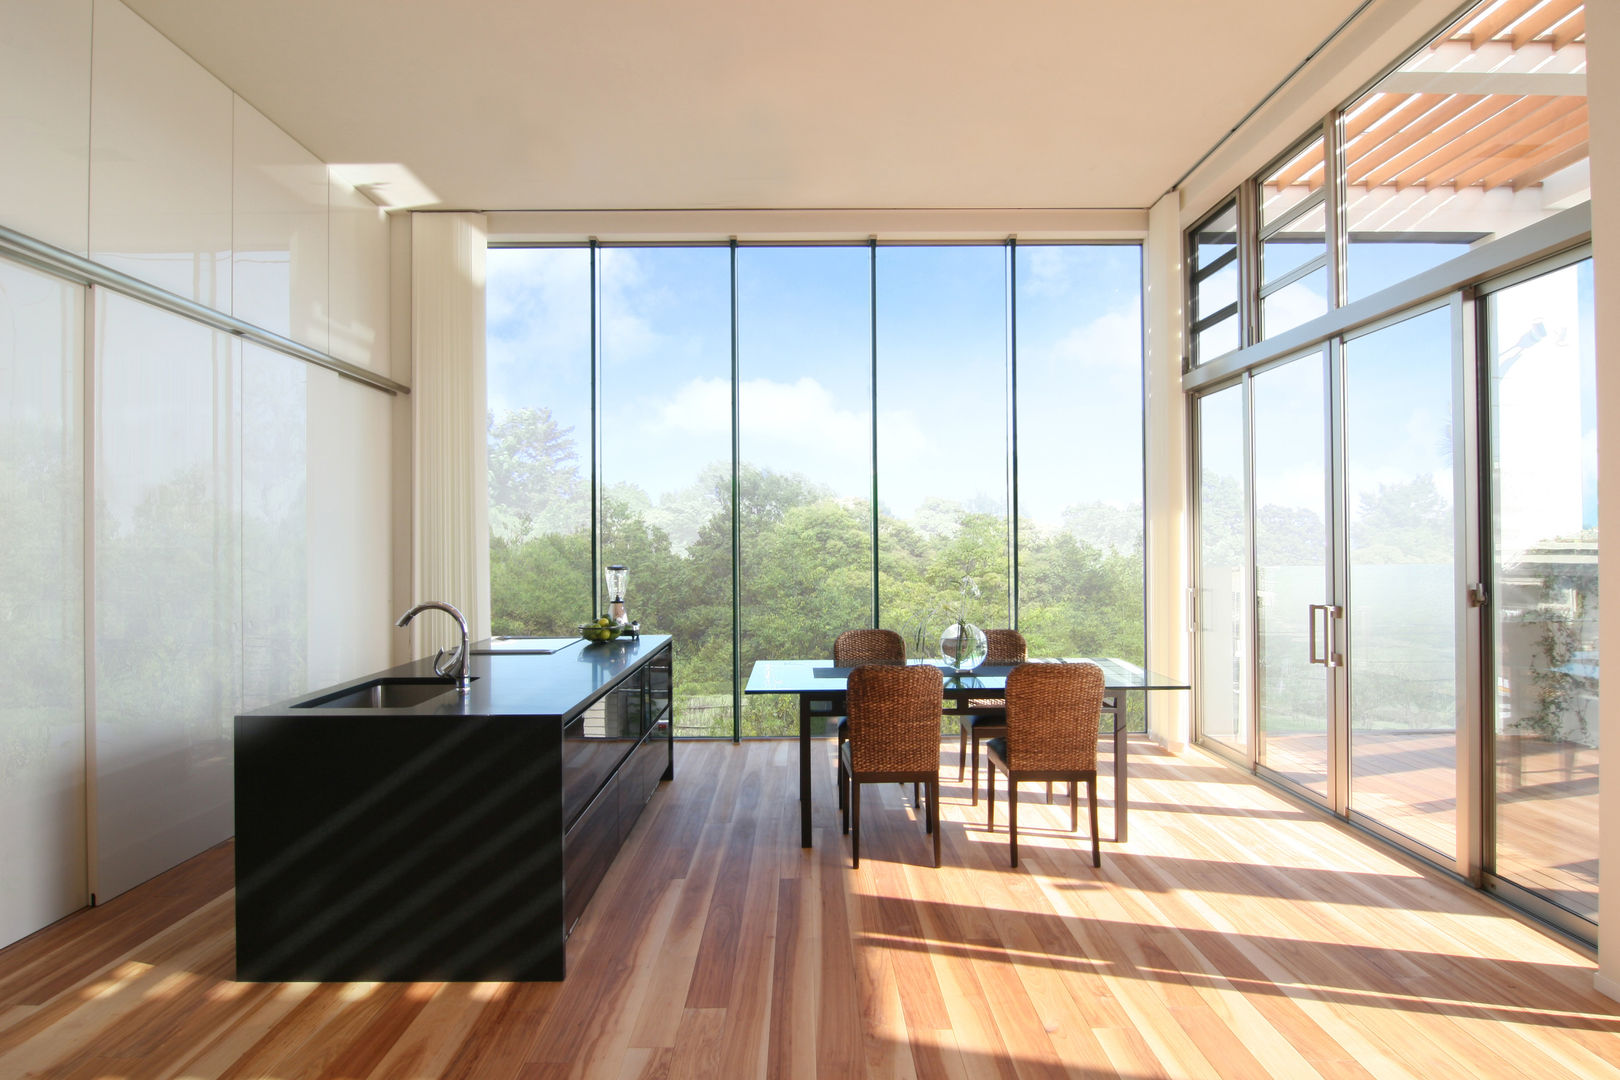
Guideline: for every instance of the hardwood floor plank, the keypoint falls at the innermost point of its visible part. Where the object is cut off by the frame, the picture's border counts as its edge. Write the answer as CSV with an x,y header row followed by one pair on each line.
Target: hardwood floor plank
x,y
1237,935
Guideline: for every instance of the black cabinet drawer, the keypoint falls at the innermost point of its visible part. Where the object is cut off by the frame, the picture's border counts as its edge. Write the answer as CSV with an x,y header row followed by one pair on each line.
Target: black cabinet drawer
x,y
588,850
639,777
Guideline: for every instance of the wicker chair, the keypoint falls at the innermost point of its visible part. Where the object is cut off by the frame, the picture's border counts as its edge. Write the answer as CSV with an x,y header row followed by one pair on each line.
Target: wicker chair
x,y
986,718
853,648
893,737
1053,712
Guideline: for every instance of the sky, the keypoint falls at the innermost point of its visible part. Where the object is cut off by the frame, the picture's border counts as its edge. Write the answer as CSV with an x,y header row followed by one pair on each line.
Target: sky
x,y
805,329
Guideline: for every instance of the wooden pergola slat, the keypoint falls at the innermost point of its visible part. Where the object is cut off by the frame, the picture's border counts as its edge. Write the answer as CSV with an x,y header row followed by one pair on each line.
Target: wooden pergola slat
x,y
1532,176
1541,20
1309,159
1398,146
1511,152
1376,108
1570,30
1494,21
1413,107
1507,128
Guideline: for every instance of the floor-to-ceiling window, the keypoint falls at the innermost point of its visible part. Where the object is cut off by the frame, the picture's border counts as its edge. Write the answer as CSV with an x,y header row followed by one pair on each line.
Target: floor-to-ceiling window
x,y
539,356
1541,386
1417,599
942,439
750,401
1077,317
804,483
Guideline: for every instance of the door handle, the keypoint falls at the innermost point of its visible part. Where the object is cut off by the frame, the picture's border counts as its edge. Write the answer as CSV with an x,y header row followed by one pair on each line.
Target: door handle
x,y
1331,612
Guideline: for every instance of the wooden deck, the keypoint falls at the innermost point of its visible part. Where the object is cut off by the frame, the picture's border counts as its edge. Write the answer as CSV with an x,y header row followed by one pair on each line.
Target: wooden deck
x,y
1547,792
1236,935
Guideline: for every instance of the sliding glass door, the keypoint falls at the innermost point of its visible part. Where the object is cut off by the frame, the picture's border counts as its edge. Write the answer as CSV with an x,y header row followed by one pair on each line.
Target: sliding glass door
x,y
1402,587
1541,392
1292,578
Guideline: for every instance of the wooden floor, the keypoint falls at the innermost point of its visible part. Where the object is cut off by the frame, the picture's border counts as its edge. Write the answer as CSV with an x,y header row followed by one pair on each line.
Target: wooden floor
x,y
1546,801
1236,935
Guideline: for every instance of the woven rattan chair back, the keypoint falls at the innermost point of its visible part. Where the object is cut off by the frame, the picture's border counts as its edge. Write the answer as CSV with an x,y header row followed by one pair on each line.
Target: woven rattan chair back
x,y
1005,647
894,718
1052,717
853,648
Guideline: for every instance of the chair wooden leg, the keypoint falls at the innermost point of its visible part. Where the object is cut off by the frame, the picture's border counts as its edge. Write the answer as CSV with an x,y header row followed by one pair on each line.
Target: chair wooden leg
x,y
855,821
916,795
989,796
1091,797
928,812
1049,793
933,815
961,748
1012,817
1074,806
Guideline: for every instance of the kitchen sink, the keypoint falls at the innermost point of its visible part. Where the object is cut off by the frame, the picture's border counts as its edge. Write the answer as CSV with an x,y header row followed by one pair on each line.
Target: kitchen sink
x,y
384,694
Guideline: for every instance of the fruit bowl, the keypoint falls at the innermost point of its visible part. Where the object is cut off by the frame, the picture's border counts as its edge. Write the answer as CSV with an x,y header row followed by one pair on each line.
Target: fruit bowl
x,y
598,632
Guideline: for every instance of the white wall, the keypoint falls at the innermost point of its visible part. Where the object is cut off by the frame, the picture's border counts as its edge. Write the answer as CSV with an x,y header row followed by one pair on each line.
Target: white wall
x,y
241,547
1165,476
1603,86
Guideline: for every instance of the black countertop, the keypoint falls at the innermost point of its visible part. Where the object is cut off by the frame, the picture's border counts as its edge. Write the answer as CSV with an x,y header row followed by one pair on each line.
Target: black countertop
x,y
517,684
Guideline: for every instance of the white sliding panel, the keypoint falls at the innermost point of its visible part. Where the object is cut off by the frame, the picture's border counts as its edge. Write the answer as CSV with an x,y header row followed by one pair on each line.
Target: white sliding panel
x,y
279,237
351,622
42,835
160,161
168,589
44,119
275,549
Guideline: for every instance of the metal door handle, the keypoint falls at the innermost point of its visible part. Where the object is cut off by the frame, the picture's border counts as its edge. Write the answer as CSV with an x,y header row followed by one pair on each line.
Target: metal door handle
x,y
1332,612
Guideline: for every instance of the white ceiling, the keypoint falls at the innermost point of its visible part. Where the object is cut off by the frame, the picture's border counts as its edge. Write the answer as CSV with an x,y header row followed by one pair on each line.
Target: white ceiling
x,y
608,104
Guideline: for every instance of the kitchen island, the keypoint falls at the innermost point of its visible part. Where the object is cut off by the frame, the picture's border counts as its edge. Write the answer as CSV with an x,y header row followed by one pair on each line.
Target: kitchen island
x,y
392,829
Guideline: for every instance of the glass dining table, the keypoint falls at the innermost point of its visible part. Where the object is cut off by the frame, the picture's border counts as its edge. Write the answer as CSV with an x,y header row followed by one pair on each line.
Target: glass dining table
x,y
820,688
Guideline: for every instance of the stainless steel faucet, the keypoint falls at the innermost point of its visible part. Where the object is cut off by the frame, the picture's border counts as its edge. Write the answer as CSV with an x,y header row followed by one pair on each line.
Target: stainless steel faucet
x,y
456,667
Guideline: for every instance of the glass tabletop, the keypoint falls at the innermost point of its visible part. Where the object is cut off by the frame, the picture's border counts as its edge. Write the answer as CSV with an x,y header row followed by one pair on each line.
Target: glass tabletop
x,y
819,676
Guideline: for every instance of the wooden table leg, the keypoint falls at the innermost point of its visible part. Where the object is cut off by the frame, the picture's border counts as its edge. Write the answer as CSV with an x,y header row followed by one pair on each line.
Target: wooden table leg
x,y
804,770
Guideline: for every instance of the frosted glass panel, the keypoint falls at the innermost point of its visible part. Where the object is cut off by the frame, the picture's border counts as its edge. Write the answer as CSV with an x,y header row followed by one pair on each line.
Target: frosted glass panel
x,y
351,622
45,84
160,161
168,594
42,849
274,536
279,232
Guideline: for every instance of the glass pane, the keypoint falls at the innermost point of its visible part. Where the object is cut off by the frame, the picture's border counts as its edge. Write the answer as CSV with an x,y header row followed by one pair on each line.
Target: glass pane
x,y
1402,600
275,516
1080,529
1215,237
942,440
168,589
1475,136
1291,573
1294,303
1544,585
42,845
666,461
1294,246
538,310
1219,339
1291,181
1222,683
1215,292
805,499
